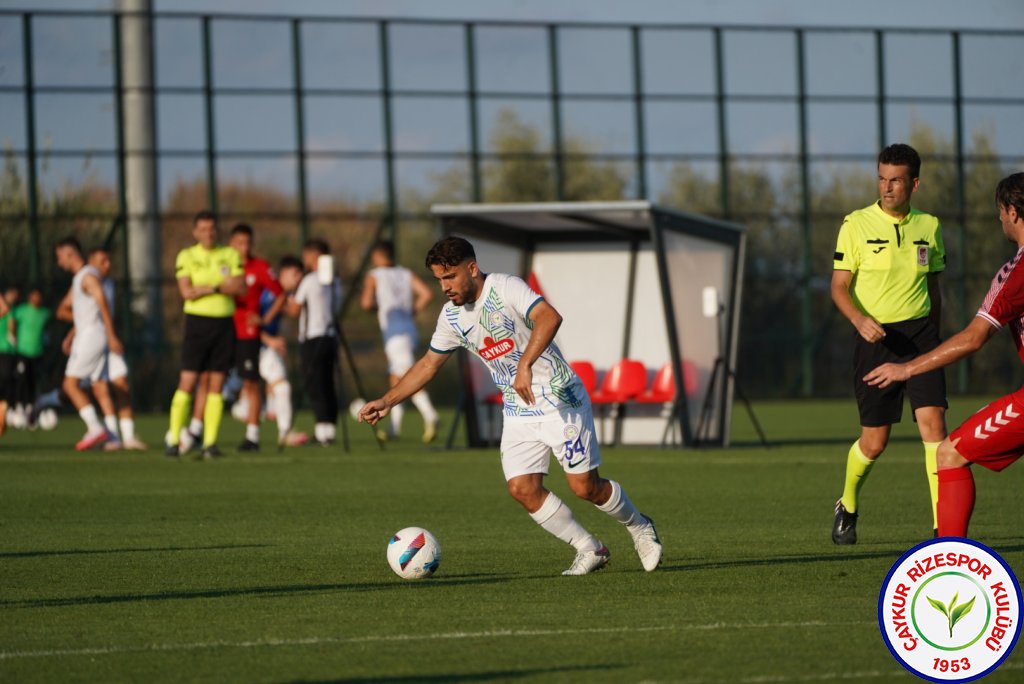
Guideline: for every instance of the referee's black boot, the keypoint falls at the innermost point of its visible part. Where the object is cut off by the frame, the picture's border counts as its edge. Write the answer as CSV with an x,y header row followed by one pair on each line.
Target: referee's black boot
x,y
211,452
844,526
249,445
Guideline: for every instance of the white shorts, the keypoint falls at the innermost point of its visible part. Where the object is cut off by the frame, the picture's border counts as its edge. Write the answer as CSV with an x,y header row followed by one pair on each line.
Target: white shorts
x,y
88,357
116,366
526,446
399,350
272,368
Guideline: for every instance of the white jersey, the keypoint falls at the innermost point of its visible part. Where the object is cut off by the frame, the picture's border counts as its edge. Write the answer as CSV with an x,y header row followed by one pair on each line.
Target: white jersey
x,y
319,307
394,301
85,310
496,328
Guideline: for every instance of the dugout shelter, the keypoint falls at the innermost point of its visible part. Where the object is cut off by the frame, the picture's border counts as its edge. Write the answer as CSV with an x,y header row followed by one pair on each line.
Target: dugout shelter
x,y
643,290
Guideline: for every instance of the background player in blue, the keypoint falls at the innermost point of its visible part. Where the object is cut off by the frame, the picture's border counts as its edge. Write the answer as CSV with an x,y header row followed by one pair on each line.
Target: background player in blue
x,y
512,329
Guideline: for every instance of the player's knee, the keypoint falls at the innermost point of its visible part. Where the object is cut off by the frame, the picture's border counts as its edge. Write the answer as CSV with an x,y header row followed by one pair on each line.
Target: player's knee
x,y
948,457
523,490
589,489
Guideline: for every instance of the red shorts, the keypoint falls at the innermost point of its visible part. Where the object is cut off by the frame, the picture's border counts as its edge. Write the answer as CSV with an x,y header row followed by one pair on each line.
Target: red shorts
x,y
994,436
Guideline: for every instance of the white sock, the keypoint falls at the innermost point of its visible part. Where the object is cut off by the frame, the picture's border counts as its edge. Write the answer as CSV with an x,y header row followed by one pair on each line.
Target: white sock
x,y
556,518
196,427
421,400
282,396
323,432
397,411
127,428
92,421
252,433
111,423
620,508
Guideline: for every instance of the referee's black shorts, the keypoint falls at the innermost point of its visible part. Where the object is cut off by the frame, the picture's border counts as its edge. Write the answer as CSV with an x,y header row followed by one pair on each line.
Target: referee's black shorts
x,y
209,344
247,359
902,342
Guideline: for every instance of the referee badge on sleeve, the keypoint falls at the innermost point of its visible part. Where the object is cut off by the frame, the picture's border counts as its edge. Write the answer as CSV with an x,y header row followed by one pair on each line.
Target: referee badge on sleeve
x,y
922,255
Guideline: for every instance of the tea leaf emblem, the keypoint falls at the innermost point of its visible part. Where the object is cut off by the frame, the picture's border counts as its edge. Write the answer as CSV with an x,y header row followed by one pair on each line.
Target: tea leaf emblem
x,y
954,613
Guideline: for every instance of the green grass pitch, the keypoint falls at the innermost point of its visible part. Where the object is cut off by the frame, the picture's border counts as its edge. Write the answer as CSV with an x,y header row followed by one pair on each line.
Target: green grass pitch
x,y
271,568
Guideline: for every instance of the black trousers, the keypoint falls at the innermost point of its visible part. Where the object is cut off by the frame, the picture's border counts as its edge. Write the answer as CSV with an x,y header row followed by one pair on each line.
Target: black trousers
x,y
26,370
319,356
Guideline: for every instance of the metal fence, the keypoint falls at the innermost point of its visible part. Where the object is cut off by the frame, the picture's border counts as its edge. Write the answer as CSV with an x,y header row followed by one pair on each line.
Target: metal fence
x,y
357,121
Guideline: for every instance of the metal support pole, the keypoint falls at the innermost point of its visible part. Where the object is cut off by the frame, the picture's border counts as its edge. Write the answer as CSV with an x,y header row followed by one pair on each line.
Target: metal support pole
x,y
723,136
883,134
211,157
121,222
476,184
806,348
638,114
137,166
30,149
300,131
389,142
556,114
963,312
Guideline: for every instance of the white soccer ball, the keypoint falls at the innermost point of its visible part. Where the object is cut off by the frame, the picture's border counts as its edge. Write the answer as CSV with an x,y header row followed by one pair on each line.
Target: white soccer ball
x,y
47,419
414,553
355,407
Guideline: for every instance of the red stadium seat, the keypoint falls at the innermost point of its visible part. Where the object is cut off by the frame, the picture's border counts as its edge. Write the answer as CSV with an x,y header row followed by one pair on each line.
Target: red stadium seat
x,y
587,374
663,387
623,381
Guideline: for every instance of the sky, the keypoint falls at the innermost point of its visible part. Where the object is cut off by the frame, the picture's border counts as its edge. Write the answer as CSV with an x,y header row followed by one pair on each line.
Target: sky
x,y
990,14
758,65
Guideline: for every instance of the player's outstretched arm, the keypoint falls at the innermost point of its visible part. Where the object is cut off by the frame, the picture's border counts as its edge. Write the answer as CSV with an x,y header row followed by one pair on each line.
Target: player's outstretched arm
x,y
422,372
368,297
546,322
870,329
964,343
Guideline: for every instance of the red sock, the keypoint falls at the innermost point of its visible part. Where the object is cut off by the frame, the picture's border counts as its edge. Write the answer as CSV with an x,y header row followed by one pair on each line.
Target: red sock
x,y
956,501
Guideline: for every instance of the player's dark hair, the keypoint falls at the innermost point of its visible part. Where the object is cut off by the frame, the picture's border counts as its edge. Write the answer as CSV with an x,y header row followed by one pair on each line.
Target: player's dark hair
x,y
1010,192
97,250
204,215
450,251
317,245
242,229
386,246
70,241
902,155
289,261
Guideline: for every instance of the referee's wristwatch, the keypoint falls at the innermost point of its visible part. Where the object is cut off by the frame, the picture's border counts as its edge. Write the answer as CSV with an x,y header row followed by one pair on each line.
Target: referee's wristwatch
x,y
216,289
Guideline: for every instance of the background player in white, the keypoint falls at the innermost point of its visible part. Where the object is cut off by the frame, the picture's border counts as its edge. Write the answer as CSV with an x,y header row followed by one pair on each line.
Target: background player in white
x,y
94,336
398,295
511,329
117,367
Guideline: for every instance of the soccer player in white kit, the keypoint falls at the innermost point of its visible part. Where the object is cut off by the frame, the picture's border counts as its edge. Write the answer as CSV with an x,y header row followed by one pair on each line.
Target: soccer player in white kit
x,y
398,295
94,338
511,329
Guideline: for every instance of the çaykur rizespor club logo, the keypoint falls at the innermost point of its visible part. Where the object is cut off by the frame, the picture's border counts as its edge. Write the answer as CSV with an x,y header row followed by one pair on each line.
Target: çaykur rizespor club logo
x,y
949,610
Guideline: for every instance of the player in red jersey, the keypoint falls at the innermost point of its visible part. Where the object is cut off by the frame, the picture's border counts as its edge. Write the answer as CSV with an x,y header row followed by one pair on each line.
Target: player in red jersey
x,y
248,322
994,436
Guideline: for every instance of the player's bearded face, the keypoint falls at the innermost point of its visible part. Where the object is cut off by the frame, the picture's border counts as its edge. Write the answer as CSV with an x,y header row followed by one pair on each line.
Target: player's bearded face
x,y
458,282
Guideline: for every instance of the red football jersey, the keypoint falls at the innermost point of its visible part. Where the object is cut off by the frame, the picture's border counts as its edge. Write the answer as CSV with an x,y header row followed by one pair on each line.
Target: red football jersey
x,y
1004,303
258,277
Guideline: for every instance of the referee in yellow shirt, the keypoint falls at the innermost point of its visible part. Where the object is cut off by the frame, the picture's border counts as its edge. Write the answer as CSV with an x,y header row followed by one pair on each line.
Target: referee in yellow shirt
x,y
209,277
885,281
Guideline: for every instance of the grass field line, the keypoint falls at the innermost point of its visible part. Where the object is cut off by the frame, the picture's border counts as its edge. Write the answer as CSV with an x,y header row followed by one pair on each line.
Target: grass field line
x,y
440,636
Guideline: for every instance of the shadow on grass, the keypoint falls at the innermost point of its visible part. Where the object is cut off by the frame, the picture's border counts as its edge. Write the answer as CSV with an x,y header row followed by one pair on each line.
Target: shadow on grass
x,y
837,556
154,549
809,441
283,590
502,675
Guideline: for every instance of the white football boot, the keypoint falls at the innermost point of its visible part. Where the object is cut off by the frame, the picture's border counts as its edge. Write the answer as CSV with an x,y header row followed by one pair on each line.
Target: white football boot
x,y
587,562
648,546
